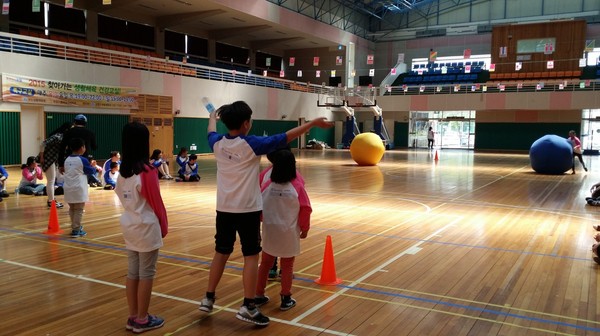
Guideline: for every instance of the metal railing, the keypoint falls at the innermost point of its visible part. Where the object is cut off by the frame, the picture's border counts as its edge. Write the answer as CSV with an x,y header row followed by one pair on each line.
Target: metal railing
x,y
83,53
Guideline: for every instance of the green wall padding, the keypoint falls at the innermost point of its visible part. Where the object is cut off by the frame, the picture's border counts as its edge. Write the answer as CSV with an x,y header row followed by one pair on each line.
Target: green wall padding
x,y
190,131
10,138
400,135
517,136
107,127
326,135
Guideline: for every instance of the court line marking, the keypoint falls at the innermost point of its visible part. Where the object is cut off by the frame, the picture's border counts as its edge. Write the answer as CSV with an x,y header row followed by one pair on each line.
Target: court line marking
x,y
451,313
384,293
367,275
166,296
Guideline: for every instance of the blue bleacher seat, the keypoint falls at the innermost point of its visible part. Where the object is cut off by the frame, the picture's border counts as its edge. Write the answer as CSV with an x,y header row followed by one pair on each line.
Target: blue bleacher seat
x,y
468,63
460,64
454,64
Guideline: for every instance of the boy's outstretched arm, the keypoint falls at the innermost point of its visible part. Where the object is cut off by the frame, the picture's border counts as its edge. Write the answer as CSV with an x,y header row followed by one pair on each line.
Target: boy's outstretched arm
x,y
298,131
212,122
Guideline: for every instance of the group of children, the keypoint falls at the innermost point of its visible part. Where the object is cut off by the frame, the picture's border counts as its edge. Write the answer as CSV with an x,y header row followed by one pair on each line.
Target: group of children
x,y
241,202
278,199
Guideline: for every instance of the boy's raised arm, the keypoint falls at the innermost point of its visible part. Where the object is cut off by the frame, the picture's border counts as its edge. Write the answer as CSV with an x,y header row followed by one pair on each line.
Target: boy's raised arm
x,y
212,122
298,131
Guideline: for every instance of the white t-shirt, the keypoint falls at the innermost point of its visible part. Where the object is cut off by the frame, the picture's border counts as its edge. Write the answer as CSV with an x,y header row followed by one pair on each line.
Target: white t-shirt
x,y
141,229
238,168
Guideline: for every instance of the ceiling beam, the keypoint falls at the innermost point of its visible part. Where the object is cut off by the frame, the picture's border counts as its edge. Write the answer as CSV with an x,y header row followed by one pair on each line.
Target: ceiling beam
x,y
262,44
167,21
221,34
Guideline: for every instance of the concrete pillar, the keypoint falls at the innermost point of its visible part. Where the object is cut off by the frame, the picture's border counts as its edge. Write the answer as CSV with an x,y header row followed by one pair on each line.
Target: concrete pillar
x,y
212,51
252,55
91,26
159,41
4,23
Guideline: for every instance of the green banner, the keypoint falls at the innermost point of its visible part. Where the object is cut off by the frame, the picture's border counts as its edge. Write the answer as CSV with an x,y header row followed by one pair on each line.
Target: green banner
x,y
35,6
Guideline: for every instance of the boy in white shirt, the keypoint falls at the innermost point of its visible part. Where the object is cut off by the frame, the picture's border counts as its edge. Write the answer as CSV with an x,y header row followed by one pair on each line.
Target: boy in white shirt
x,y
76,185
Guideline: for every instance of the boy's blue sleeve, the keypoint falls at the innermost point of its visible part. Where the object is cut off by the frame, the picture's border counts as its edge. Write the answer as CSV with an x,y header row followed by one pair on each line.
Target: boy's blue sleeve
x,y
3,171
87,167
107,175
213,137
264,145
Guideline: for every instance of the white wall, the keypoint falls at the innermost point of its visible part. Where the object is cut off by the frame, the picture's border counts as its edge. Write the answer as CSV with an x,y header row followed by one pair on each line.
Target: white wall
x,y
266,103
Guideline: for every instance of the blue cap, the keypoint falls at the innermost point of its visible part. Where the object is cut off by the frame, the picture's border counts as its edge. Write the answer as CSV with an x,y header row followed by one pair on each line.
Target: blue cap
x,y
80,117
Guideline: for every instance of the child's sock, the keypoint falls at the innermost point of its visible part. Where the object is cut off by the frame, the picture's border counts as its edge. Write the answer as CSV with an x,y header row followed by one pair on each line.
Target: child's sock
x,y
249,303
143,321
210,295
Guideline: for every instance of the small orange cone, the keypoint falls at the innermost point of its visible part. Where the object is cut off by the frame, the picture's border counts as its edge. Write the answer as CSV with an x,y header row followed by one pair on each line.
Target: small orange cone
x,y
328,277
436,156
53,226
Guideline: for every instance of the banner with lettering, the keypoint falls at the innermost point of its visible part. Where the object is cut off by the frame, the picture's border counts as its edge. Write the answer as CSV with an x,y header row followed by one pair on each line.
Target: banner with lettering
x,y
30,90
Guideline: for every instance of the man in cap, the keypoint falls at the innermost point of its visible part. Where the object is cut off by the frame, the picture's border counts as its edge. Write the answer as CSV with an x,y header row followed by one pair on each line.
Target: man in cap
x,y
78,131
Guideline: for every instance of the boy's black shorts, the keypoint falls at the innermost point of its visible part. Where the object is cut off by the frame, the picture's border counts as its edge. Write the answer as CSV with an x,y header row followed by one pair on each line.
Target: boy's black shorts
x,y
246,224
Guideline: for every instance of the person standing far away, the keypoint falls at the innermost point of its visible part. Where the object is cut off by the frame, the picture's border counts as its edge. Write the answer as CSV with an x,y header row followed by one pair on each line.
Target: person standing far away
x,y
79,130
576,143
239,200
430,138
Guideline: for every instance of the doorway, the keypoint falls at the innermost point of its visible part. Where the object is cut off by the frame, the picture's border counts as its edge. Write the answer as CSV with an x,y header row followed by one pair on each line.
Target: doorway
x,y
452,129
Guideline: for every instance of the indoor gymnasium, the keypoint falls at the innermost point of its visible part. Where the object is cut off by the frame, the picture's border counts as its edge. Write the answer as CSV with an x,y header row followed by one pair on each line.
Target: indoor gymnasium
x,y
449,190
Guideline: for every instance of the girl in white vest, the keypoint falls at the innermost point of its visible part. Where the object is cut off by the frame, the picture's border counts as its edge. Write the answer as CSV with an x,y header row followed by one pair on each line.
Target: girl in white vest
x,y
286,220
144,225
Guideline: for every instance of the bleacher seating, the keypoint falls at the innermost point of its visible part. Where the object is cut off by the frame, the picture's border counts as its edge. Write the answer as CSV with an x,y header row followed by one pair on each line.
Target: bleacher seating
x,y
432,73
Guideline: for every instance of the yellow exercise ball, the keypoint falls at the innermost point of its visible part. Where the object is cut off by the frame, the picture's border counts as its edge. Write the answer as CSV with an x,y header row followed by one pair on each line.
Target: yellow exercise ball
x,y
367,149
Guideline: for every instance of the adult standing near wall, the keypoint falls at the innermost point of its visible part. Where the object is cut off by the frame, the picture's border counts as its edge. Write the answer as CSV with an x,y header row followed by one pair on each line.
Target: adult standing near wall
x,y
430,138
576,143
79,130
50,153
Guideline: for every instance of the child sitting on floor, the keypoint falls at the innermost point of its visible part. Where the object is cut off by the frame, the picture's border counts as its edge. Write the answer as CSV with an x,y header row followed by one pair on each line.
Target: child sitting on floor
x,y
189,171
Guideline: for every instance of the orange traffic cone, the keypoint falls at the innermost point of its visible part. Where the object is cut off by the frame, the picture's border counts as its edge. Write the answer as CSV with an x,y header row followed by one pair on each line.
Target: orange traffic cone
x,y
436,156
53,226
328,277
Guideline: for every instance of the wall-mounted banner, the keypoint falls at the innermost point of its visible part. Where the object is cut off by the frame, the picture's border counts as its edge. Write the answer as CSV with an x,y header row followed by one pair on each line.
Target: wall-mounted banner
x,y
30,90
316,61
370,59
332,73
503,52
5,7
106,2
318,74
35,6
292,61
299,73
467,53
268,61
68,3
550,64
281,74
338,60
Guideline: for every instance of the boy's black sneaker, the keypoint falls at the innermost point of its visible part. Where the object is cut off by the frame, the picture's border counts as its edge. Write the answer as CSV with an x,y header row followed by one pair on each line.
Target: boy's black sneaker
x,y
252,316
287,302
261,300
206,305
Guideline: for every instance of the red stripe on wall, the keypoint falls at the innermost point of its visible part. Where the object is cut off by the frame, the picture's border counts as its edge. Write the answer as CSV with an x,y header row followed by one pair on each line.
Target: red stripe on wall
x,y
495,101
560,100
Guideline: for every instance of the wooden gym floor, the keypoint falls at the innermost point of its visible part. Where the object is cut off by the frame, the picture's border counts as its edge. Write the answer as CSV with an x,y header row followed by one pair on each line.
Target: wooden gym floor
x,y
473,244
